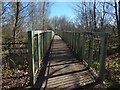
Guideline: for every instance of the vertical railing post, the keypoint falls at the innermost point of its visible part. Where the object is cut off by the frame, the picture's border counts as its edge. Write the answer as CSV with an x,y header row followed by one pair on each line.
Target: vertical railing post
x,y
82,45
30,57
74,41
91,51
103,52
42,44
39,49
78,43
71,40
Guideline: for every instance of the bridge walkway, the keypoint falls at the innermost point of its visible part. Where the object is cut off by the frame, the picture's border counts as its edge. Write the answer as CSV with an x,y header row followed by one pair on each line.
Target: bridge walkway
x,y
64,70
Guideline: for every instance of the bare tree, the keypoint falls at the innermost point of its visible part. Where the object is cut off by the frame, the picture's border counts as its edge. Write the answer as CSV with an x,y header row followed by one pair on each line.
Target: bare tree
x,y
102,16
86,15
94,10
16,19
117,14
44,10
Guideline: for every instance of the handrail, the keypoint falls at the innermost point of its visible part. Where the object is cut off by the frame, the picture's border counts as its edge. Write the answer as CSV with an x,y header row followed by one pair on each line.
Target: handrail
x,y
38,45
90,47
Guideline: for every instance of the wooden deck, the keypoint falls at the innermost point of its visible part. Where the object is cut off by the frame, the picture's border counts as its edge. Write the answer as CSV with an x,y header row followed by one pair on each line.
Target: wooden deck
x,y
64,70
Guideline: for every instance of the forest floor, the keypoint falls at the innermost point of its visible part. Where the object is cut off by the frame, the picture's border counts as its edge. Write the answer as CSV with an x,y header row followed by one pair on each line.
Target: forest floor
x,y
13,79
112,71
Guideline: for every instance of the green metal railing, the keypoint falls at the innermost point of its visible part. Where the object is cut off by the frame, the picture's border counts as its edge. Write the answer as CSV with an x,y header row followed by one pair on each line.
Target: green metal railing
x,y
38,45
90,48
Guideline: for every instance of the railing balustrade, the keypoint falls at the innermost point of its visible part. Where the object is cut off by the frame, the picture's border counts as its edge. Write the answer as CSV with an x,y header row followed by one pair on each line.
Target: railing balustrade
x,y
38,46
90,47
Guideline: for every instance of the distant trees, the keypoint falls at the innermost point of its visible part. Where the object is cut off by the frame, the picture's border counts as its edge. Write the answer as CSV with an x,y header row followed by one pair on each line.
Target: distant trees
x,y
117,14
13,19
45,7
86,15
92,15
18,17
54,23
61,23
96,16
38,19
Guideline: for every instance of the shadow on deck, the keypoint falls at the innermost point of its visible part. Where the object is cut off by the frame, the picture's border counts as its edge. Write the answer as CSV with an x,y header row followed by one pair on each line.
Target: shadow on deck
x,y
62,70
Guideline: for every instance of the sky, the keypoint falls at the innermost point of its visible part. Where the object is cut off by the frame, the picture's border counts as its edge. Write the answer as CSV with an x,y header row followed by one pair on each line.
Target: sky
x,y
62,9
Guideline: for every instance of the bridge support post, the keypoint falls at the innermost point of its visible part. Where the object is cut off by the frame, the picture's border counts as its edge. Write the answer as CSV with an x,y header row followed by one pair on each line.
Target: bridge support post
x,y
81,43
39,54
103,56
30,57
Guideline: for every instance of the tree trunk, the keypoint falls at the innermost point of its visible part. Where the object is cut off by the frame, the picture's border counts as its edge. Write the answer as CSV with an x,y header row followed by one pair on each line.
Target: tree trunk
x,y
43,13
33,19
94,8
117,13
118,25
103,17
16,20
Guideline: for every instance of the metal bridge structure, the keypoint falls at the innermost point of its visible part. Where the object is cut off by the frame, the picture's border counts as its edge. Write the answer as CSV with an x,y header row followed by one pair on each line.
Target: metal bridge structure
x,y
66,59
